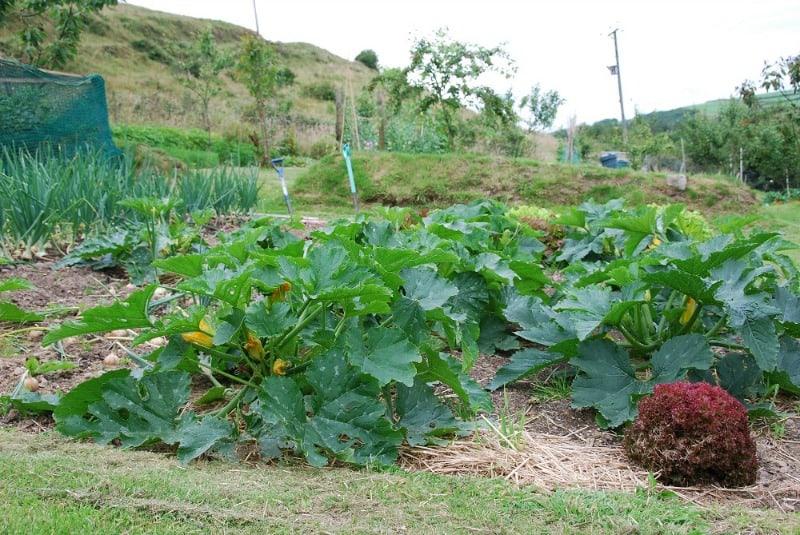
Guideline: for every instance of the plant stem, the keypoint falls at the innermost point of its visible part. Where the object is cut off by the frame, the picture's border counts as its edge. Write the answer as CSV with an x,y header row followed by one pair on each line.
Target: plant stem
x,y
302,323
667,306
229,376
717,327
635,342
387,399
727,345
234,401
26,329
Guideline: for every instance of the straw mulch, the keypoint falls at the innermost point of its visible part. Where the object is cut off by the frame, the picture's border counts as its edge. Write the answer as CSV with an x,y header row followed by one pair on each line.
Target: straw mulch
x,y
531,459
552,462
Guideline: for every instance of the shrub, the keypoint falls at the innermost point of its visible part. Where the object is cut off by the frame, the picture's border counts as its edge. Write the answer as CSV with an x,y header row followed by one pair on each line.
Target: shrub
x,y
320,149
368,58
285,77
324,91
693,433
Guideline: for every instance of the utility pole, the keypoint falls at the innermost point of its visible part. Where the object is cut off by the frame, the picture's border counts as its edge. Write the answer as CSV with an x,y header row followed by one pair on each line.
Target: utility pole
x,y
255,12
615,70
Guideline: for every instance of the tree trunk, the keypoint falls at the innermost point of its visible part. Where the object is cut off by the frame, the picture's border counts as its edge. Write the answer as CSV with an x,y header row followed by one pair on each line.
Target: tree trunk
x,y
380,97
339,133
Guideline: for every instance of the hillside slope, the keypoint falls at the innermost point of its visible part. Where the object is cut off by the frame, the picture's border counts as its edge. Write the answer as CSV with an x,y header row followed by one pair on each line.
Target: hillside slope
x,y
138,52
436,181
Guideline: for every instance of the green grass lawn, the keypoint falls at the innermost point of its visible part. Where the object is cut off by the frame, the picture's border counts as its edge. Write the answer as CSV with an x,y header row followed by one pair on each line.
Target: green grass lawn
x,y
49,484
784,218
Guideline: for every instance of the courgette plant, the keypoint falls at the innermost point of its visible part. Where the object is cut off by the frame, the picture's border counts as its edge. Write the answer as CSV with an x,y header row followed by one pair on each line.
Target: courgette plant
x,y
657,304
331,347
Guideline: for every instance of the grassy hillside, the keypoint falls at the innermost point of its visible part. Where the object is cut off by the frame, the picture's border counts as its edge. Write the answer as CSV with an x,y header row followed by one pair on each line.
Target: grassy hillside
x,y
138,53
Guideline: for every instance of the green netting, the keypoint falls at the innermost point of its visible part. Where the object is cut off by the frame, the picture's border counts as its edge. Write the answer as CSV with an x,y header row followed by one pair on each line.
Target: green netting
x,y
41,109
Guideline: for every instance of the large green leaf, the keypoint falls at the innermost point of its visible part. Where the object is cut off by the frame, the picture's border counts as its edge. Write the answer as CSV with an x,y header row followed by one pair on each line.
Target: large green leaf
x,y
119,407
718,250
734,293
131,313
223,283
134,412
787,374
358,299
523,363
186,265
342,416
328,267
12,284
637,226
557,329
608,380
472,297
686,283
578,249
409,316
423,416
530,278
761,338
198,436
679,354
427,287
76,402
737,373
268,321
12,313
788,303
31,402
390,262
384,353
586,308
493,267
495,336
473,235
441,367
524,310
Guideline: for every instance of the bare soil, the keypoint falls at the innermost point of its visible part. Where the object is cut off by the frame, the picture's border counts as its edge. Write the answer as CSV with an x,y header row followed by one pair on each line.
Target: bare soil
x,y
778,442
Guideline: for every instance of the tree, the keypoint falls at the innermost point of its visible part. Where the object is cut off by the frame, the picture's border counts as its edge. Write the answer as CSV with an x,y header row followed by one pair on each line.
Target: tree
x,y
68,17
201,69
643,144
498,123
782,78
447,70
541,108
391,89
256,68
713,141
368,58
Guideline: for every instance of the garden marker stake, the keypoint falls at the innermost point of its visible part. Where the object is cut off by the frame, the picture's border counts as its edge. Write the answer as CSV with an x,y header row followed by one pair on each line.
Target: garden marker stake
x,y
346,152
276,162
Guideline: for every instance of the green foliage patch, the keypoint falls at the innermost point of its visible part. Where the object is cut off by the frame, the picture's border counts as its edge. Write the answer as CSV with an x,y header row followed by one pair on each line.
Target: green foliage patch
x,y
651,298
193,146
331,347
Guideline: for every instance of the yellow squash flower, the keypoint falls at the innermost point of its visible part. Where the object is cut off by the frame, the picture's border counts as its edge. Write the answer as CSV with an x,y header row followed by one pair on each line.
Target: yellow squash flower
x,y
691,305
254,347
655,243
204,337
280,366
279,294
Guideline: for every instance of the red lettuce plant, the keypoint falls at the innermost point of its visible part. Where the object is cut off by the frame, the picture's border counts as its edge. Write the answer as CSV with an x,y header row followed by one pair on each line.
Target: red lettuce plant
x,y
692,433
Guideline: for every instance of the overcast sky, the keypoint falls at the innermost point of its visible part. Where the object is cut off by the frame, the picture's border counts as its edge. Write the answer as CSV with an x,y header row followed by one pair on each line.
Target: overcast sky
x,y
671,54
